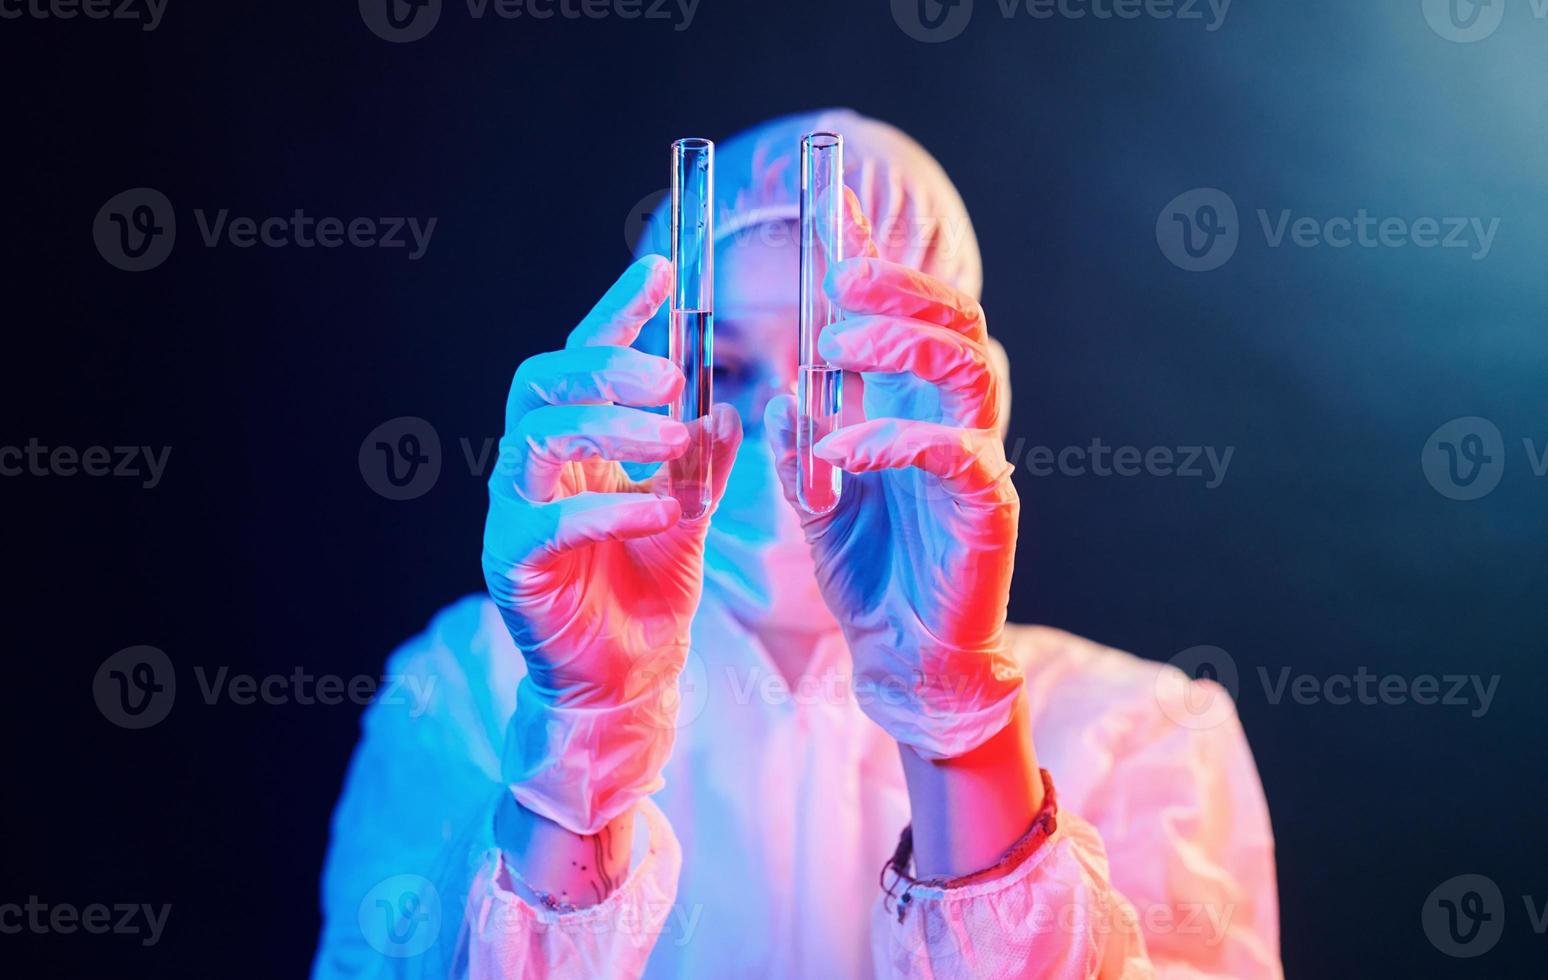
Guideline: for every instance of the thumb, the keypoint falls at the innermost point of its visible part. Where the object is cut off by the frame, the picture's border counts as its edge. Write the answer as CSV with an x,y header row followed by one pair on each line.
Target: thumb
x,y
855,240
726,437
779,423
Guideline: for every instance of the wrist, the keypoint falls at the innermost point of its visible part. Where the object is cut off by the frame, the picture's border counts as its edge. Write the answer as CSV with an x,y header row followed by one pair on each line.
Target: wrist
x,y
968,809
943,701
583,767
557,868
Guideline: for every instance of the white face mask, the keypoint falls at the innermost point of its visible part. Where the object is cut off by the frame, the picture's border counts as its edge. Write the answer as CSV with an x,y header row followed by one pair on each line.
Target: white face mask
x,y
756,559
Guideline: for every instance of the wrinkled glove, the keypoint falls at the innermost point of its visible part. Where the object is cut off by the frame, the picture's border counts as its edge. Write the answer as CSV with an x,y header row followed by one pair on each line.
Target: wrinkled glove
x,y
596,575
915,561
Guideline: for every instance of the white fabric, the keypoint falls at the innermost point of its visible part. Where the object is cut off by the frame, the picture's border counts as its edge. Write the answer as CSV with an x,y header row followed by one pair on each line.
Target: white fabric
x,y
918,217
784,804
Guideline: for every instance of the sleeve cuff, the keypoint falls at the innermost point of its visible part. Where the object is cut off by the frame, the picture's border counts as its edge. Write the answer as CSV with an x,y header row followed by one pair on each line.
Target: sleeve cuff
x,y
510,938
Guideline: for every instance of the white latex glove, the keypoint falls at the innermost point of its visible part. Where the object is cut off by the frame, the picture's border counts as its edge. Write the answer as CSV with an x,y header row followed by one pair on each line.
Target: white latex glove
x,y
915,561
596,575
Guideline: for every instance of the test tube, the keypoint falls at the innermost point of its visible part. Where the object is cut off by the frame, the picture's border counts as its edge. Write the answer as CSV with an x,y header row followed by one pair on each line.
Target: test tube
x,y
819,386
692,334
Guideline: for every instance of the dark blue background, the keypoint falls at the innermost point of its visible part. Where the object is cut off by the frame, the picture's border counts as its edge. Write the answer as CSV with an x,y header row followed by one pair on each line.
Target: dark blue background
x,y
1324,549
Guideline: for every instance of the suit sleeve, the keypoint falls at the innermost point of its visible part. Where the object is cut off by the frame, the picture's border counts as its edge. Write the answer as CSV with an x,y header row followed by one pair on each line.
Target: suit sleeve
x,y
1165,868
414,885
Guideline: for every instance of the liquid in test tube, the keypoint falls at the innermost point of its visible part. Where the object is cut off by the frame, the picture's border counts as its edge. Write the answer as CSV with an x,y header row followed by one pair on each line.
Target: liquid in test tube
x,y
820,386
692,334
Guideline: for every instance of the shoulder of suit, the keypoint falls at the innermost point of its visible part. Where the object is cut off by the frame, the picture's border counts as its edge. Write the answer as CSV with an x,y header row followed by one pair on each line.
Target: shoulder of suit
x,y
1067,672
462,658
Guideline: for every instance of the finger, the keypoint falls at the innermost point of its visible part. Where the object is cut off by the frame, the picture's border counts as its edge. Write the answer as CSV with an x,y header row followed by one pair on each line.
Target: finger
x,y
726,431
582,375
999,362
876,286
624,308
714,438
968,461
854,227
960,368
515,535
779,428
532,456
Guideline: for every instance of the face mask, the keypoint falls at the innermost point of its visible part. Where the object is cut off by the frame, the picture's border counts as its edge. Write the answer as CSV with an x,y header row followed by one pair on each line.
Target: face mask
x,y
756,559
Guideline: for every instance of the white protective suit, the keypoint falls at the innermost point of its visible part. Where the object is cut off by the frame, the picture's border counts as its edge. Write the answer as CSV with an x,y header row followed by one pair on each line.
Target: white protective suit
x,y
763,854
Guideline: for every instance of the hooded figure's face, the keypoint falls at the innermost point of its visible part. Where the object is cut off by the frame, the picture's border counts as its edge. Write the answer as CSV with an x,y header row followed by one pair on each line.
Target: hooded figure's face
x,y
756,559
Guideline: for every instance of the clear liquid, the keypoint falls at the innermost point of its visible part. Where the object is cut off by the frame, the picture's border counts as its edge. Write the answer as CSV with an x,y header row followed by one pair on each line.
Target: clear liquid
x,y
692,350
820,398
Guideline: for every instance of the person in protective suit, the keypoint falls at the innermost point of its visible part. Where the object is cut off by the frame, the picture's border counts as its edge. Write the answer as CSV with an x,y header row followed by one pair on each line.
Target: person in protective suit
x,y
762,743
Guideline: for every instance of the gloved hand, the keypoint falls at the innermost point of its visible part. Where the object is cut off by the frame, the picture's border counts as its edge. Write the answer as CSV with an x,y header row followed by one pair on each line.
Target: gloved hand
x,y
596,575
915,561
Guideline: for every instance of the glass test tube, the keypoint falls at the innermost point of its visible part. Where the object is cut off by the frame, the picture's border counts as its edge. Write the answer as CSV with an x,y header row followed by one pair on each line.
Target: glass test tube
x,y
820,386
692,335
